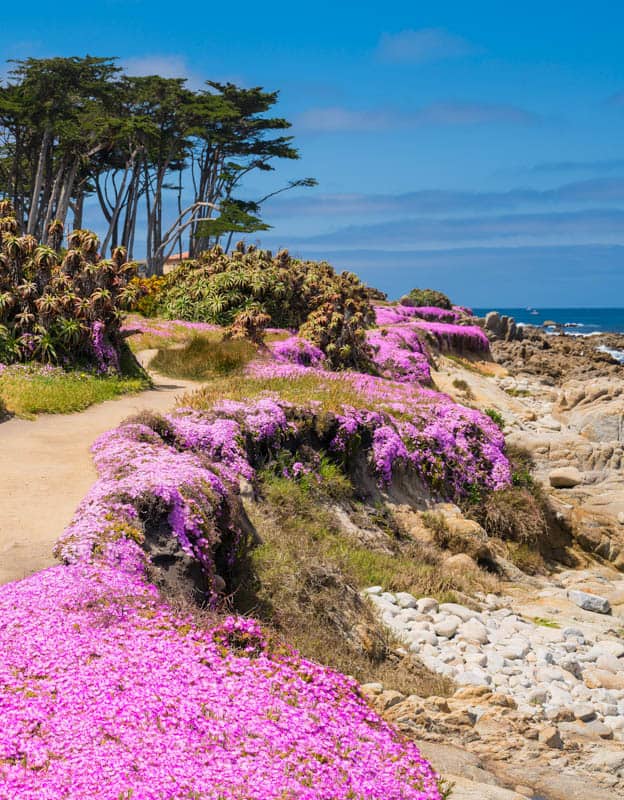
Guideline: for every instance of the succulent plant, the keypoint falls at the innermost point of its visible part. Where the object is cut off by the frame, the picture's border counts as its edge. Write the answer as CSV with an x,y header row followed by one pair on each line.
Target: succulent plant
x,y
60,309
225,289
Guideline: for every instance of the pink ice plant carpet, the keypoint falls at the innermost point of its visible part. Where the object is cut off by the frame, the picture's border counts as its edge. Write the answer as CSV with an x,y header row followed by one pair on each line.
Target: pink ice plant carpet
x,y
106,693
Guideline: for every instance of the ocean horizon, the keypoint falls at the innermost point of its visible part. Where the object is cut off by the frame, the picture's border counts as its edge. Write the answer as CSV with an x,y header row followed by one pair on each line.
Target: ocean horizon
x,y
581,321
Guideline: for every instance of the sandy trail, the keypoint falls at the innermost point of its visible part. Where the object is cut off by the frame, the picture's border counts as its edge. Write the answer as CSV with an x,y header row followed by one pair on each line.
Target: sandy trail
x,y
46,469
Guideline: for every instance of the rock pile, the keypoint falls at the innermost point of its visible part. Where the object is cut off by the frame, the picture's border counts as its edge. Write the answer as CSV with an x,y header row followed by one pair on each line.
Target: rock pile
x,y
549,673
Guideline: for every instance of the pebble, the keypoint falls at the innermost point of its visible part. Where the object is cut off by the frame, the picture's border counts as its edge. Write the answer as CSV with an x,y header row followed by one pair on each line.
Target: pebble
x,y
553,674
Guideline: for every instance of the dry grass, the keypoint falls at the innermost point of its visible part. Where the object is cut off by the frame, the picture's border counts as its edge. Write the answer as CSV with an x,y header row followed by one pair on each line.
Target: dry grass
x,y
526,558
203,357
306,576
514,514
331,394
462,386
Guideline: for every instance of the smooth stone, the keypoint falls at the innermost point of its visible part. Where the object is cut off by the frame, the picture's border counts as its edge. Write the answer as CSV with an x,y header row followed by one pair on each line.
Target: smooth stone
x,y
565,477
473,678
537,696
610,663
573,633
473,631
406,600
374,590
602,679
427,605
616,722
589,602
447,627
460,611
571,665
584,711
372,688
612,647
516,649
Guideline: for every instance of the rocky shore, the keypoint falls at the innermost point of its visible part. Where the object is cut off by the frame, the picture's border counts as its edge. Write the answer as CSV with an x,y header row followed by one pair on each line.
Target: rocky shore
x,y
537,707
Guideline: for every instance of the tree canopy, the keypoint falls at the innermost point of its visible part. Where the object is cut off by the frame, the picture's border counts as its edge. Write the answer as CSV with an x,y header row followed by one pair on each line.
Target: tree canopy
x,y
79,130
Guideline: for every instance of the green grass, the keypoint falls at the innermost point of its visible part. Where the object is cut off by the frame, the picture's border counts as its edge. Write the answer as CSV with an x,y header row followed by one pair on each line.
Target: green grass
x,y
26,395
203,357
545,623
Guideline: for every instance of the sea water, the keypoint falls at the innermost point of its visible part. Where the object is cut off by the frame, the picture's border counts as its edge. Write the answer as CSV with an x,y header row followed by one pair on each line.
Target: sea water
x,y
576,320
573,321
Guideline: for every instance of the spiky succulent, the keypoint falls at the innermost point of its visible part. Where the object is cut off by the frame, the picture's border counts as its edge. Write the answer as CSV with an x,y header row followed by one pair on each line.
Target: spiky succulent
x,y
60,309
224,288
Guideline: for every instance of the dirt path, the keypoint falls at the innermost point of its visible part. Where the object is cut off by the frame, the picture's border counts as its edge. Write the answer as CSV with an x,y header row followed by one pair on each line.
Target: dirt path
x,y
46,469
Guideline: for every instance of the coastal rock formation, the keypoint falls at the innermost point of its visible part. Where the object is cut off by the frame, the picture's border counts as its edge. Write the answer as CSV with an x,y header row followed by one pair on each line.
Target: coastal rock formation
x,y
502,327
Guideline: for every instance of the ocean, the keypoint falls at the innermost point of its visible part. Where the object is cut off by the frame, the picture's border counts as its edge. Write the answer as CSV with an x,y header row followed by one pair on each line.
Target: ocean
x,y
581,320
577,321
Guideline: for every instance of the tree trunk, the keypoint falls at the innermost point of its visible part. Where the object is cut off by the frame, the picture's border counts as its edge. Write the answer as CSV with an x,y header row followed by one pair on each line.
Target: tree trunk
x,y
52,202
68,188
79,210
33,216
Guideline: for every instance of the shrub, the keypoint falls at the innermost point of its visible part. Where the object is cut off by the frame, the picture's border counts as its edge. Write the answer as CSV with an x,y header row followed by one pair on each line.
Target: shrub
x,y
514,514
58,308
332,309
461,385
427,297
149,291
496,417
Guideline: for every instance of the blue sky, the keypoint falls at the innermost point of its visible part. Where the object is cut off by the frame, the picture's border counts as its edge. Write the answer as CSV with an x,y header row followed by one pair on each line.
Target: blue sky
x,y
475,147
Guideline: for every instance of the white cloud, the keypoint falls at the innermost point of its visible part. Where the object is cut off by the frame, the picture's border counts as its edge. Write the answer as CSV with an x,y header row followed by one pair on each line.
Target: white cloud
x,y
426,44
167,66
340,118
337,118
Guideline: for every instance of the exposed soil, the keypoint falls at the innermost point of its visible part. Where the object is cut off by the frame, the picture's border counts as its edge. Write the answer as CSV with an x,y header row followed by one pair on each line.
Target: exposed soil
x,y
46,470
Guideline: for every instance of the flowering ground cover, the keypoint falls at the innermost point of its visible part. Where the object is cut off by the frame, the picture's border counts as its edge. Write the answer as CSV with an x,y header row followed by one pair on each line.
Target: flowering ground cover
x,y
399,354
435,314
443,324
105,693
459,337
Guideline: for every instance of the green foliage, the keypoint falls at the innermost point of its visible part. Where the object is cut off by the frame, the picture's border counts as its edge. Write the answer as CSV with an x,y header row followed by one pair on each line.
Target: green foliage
x,y
496,417
546,623
236,216
58,308
522,466
79,127
332,310
426,297
203,357
148,292
461,385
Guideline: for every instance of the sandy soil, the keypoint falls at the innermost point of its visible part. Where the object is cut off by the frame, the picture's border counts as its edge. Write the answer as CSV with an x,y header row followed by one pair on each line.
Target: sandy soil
x,y
46,469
